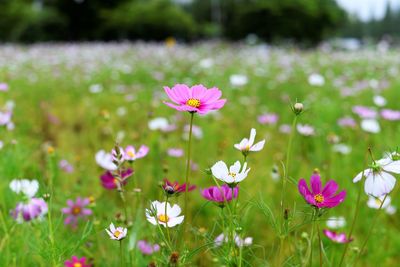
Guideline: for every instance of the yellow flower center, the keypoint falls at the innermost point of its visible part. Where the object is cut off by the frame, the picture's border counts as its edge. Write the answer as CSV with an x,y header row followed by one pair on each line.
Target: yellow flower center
x,y
117,233
163,218
131,154
231,174
319,198
193,102
378,201
76,210
77,264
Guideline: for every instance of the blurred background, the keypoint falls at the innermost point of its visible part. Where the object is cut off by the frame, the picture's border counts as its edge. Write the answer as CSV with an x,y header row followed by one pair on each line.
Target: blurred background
x,y
345,23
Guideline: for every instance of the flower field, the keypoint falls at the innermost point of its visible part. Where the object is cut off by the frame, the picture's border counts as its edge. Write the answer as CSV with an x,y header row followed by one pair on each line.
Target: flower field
x,y
210,154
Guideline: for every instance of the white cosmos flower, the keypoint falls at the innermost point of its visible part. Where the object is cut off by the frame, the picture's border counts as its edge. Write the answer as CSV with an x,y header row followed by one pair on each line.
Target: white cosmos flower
x,y
118,233
375,203
28,187
316,79
240,242
105,160
234,174
305,129
380,101
238,80
336,222
158,123
162,213
342,148
379,180
370,126
247,145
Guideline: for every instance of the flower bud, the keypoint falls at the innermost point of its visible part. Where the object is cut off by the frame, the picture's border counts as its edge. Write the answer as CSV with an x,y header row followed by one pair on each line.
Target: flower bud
x,y
298,108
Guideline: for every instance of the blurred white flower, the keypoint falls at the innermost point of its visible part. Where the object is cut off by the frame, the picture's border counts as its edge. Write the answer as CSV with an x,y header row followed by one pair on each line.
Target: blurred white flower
x,y
375,203
342,148
316,79
336,222
380,101
238,80
28,187
206,63
105,160
121,111
161,124
370,126
95,88
305,129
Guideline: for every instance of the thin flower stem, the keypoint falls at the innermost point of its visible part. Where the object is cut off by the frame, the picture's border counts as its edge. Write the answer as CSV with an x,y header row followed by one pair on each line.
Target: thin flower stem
x,y
370,231
189,151
356,211
49,217
312,236
319,244
165,239
284,225
121,254
166,223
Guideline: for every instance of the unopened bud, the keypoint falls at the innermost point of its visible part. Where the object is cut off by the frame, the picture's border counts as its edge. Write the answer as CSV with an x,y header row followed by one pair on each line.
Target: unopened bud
x,y
298,108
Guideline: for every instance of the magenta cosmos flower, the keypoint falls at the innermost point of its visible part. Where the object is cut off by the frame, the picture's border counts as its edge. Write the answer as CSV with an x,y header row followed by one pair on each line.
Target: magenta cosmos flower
x,y
194,99
34,208
337,237
318,196
76,262
109,181
220,194
76,210
173,188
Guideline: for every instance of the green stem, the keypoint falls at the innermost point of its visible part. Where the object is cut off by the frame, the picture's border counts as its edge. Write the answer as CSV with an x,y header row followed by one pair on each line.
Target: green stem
x,y
166,223
49,217
189,151
121,254
370,231
319,244
353,223
312,236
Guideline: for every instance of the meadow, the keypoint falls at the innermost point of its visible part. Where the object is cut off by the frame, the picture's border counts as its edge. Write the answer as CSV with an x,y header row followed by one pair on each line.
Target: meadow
x,y
62,104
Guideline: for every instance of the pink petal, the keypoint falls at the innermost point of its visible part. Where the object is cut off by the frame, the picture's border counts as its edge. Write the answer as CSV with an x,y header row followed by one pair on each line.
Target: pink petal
x,y
330,188
303,188
334,201
197,91
182,92
171,94
211,95
315,182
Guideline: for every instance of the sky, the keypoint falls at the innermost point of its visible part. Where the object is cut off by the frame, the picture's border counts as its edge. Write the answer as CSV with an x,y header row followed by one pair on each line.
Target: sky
x,y
367,9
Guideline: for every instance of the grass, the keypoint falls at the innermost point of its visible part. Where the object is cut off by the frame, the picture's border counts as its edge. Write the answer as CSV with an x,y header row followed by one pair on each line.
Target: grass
x,y
54,107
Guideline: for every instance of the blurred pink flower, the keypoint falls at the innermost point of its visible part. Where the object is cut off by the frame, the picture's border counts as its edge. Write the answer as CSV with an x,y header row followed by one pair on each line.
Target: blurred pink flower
x,y
305,129
108,180
347,122
65,166
336,237
76,210
147,248
390,114
130,153
268,118
175,152
365,112
76,262
285,128
194,99
3,87
34,208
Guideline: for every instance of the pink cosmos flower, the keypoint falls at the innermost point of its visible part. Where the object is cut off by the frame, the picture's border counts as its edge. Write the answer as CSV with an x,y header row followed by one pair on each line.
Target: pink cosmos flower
x,y
76,262
76,210
173,188
3,87
220,194
318,196
390,114
130,153
109,181
66,166
337,237
35,208
147,248
194,99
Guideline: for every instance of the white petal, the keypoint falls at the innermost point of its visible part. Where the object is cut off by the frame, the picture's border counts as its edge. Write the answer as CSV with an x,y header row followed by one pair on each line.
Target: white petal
x,y
175,221
112,227
393,167
219,170
258,146
359,176
174,211
379,184
151,220
252,136
235,168
391,210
